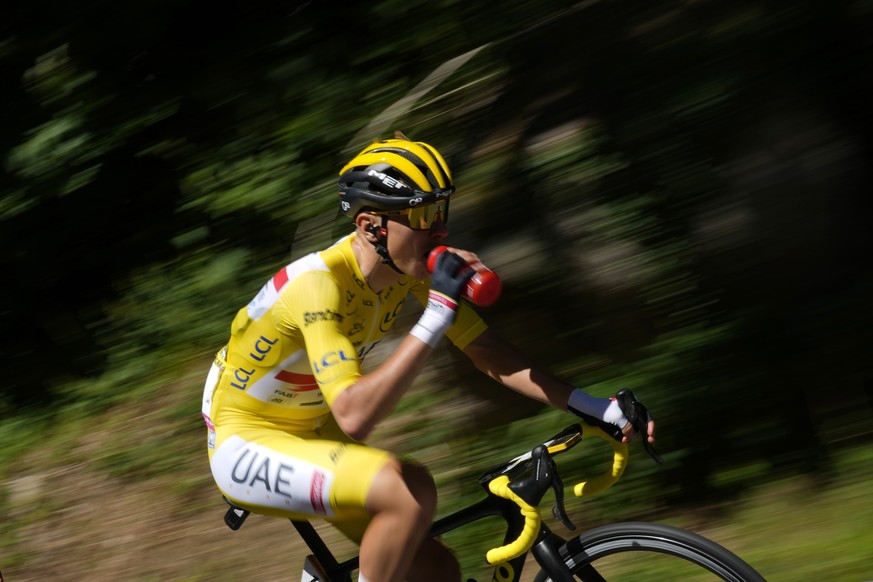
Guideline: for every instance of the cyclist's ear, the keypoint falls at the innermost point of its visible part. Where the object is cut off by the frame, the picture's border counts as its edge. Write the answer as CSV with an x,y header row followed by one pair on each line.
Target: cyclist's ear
x,y
370,224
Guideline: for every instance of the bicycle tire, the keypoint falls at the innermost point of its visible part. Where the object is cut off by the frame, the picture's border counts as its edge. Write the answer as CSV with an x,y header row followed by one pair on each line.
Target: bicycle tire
x,y
638,538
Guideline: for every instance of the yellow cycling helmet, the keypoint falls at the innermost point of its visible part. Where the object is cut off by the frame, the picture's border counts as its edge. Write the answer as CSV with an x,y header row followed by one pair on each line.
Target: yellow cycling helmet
x,y
394,174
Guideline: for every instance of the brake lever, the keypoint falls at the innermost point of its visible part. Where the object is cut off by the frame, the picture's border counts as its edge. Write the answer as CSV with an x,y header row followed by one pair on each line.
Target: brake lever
x,y
558,510
638,416
544,475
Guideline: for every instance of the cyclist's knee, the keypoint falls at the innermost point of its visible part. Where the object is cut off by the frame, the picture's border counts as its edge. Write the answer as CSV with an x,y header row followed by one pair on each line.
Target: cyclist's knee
x,y
406,488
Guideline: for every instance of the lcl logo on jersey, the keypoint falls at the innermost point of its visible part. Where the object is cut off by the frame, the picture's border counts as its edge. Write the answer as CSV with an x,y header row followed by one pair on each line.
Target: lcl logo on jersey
x,y
389,318
330,359
262,347
242,377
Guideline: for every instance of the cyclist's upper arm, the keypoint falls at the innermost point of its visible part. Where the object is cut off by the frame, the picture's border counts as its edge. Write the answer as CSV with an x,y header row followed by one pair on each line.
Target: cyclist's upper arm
x,y
311,306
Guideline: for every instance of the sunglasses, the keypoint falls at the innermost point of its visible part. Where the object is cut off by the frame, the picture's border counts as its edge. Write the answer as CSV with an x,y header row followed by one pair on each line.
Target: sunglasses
x,y
421,217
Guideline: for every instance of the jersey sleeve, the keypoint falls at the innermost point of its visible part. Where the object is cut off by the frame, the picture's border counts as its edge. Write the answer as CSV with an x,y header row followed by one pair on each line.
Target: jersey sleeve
x,y
467,326
312,304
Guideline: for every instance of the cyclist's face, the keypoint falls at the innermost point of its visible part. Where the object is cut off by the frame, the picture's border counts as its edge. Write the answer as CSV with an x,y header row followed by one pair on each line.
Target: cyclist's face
x,y
409,247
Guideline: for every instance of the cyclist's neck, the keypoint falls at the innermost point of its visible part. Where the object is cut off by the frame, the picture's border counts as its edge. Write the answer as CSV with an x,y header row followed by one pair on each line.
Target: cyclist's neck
x,y
377,274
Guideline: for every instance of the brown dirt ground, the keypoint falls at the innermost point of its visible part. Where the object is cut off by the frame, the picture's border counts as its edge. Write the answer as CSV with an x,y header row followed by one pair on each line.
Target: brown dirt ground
x,y
71,520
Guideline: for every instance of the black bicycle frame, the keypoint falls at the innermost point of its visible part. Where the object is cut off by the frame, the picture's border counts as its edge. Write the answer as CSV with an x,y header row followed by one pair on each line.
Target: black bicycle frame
x,y
544,550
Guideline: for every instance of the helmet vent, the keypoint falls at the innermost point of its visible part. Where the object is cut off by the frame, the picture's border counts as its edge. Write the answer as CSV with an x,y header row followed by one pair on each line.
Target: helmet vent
x,y
416,161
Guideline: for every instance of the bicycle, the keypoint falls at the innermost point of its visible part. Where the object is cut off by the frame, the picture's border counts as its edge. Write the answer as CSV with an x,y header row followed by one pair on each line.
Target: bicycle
x,y
514,491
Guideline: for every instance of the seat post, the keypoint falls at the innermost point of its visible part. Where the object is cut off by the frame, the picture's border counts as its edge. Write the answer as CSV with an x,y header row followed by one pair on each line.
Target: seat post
x,y
316,544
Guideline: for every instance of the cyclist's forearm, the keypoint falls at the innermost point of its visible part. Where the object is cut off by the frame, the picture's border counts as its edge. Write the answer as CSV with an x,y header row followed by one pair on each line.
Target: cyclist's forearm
x,y
360,407
505,363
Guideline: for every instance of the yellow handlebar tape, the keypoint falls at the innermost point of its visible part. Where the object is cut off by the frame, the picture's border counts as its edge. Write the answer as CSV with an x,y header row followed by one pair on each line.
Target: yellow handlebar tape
x,y
500,486
619,462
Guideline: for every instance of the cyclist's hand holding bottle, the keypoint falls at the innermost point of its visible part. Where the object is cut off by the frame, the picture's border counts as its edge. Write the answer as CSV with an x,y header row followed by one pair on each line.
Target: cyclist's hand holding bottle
x,y
448,280
483,287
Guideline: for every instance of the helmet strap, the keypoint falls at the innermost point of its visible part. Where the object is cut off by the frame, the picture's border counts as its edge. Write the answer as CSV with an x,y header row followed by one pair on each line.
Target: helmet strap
x,y
380,233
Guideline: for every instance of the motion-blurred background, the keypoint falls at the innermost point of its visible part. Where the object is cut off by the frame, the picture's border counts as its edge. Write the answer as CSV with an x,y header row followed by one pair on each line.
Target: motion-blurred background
x,y
676,195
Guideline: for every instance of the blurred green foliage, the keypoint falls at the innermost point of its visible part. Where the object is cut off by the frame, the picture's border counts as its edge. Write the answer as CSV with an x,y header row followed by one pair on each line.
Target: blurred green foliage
x,y
676,194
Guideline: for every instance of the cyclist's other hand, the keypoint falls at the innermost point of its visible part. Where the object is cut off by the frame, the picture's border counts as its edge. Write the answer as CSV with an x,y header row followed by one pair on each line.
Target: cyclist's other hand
x,y
450,275
610,414
605,413
638,416
629,431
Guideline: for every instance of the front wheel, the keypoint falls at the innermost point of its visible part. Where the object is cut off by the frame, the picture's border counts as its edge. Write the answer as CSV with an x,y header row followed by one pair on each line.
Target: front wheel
x,y
646,551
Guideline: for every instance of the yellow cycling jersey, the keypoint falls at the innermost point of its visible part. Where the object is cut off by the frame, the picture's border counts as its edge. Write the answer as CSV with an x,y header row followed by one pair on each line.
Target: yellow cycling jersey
x,y
301,340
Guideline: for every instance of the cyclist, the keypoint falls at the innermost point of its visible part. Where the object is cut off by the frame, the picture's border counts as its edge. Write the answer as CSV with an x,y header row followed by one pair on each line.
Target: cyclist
x,y
287,406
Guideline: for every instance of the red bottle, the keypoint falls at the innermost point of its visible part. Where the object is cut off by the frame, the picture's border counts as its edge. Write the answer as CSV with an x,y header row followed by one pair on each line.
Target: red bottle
x,y
483,288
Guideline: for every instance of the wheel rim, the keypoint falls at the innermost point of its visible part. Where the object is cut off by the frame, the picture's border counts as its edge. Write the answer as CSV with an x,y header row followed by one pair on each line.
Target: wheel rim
x,y
698,561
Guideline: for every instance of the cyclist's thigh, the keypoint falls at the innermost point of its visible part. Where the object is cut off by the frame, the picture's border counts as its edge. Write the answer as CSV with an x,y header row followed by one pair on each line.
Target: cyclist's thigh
x,y
276,473
352,527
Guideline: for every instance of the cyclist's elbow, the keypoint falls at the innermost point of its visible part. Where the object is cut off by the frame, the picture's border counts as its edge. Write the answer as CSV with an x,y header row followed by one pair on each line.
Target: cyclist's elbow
x,y
355,430
351,418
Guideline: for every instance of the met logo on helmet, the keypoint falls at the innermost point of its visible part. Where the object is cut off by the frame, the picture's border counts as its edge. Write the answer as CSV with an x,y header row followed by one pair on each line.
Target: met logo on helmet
x,y
387,180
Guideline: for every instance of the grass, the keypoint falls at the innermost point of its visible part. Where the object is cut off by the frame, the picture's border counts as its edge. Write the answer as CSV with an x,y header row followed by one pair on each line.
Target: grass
x,y
789,530
804,530
127,495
